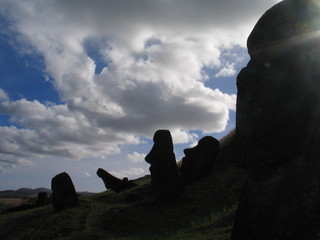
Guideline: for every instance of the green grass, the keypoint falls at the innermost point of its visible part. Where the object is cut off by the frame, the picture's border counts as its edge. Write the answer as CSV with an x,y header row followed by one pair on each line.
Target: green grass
x,y
205,211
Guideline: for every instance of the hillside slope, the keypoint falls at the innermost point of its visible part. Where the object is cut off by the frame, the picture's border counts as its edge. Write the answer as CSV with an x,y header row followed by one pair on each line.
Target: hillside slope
x,y
28,193
205,211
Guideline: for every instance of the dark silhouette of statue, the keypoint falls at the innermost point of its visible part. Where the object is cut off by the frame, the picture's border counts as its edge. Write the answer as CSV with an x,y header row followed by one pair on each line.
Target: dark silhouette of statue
x,y
63,192
198,161
278,126
113,183
42,199
165,178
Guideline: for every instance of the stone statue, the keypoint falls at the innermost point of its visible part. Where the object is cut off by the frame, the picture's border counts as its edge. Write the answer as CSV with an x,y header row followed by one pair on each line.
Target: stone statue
x,y
63,192
165,178
277,126
113,183
198,161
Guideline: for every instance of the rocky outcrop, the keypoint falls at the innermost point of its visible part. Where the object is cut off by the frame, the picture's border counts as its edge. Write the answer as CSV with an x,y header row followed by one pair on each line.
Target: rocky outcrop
x,y
63,192
165,177
113,183
278,127
198,161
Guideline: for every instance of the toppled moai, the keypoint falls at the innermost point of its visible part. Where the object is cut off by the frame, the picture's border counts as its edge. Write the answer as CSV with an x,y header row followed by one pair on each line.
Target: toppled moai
x,y
113,183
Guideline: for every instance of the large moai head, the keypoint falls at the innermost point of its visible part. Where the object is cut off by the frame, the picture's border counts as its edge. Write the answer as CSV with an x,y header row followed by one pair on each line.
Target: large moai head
x,y
199,160
277,126
278,101
162,147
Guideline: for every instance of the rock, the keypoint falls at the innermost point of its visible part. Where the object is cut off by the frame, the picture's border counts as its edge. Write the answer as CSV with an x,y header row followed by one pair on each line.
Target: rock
x,y
113,183
63,192
165,178
277,126
198,161
42,199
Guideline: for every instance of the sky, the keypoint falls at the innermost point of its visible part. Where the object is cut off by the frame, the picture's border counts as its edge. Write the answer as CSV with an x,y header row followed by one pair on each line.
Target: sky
x,y
85,84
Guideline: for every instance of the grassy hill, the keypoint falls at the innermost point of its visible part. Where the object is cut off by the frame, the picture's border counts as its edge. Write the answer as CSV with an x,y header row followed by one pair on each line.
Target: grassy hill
x,y
205,211
24,196
28,193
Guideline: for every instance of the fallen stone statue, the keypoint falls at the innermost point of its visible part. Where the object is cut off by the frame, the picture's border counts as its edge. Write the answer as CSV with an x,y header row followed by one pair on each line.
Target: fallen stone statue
x,y
113,183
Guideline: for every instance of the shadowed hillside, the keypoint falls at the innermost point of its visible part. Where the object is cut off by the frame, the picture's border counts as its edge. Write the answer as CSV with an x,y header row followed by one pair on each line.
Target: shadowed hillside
x,y
205,211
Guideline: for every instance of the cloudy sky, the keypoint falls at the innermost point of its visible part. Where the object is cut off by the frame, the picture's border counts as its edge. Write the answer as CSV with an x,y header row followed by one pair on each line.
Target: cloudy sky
x,y
85,84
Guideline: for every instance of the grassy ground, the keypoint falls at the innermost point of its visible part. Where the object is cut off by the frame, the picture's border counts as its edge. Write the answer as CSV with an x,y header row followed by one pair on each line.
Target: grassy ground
x,y
11,202
205,211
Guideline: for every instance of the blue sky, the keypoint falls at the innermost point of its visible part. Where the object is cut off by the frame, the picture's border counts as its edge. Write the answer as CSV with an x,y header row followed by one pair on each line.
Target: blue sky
x,y
84,85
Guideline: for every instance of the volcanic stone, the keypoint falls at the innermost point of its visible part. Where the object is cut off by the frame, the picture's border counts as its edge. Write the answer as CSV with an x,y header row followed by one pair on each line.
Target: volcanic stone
x,y
198,161
113,183
165,178
63,192
277,126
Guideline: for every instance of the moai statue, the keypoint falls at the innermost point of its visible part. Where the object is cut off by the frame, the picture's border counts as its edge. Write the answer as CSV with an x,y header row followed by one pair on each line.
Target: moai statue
x,y
113,183
277,126
42,199
198,161
165,178
63,192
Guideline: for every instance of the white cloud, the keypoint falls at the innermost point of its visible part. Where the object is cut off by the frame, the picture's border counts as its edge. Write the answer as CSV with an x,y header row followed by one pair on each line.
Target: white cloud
x,y
227,71
129,173
182,136
86,174
154,55
10,161
136,157
3,95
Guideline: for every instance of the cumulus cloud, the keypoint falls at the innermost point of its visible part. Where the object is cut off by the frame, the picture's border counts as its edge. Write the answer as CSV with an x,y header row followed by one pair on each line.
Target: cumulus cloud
x,y
136,157
3,95
11,161
180,136
153,54
55,130
129,173
228,71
